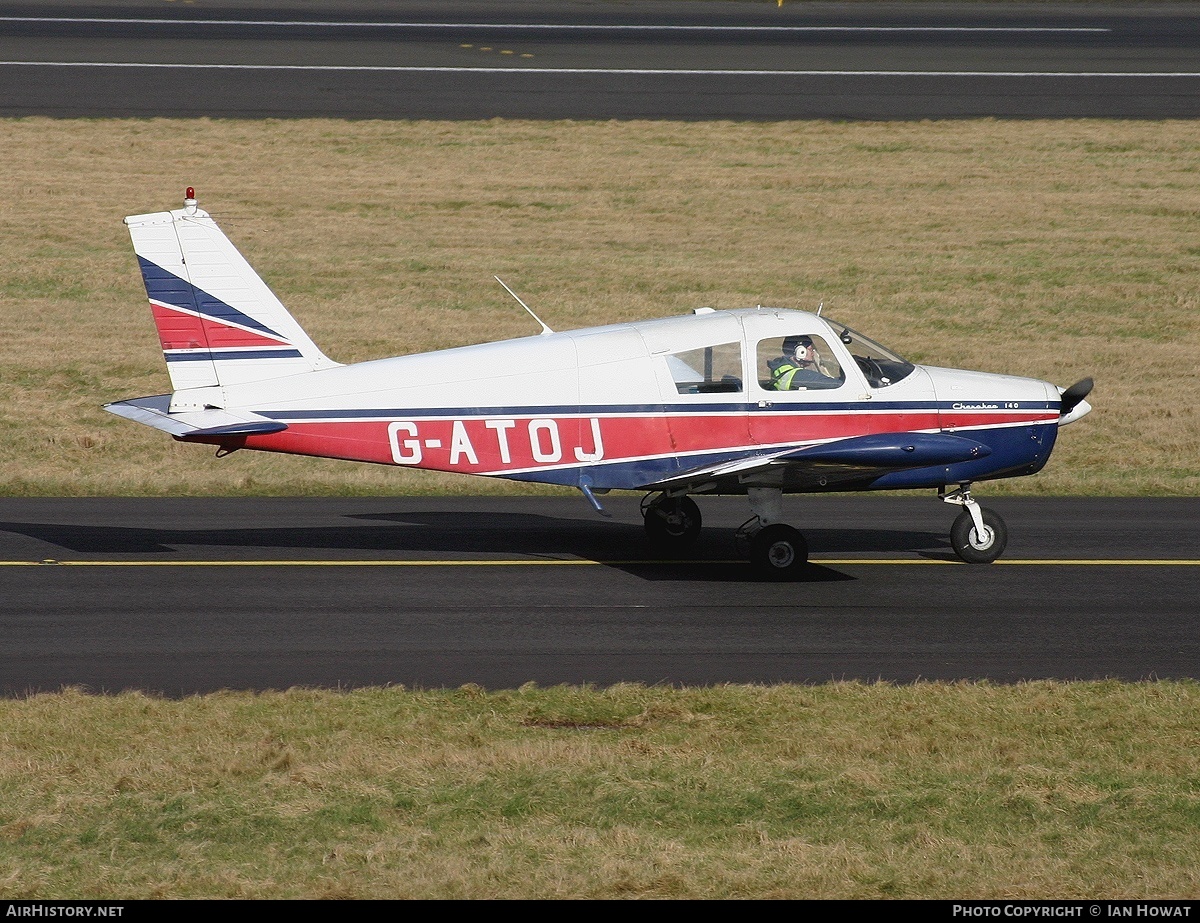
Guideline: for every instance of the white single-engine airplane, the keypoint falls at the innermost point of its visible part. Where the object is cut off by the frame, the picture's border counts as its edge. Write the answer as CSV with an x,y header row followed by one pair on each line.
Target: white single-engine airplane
x,y
759,402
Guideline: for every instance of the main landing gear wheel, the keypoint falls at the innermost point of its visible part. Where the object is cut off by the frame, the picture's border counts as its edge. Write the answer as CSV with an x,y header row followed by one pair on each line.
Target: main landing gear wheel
x,y
973,547
672,522
778,552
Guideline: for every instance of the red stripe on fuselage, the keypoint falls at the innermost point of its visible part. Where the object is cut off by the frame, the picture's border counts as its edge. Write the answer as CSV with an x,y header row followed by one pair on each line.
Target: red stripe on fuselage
x,y
500,445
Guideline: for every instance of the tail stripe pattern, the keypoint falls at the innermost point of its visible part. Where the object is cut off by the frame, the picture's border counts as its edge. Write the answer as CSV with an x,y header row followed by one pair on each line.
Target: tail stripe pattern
x,y
194,325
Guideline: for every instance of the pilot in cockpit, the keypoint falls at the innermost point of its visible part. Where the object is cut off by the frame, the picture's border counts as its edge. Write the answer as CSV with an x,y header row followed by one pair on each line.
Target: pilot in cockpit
x,y
798,366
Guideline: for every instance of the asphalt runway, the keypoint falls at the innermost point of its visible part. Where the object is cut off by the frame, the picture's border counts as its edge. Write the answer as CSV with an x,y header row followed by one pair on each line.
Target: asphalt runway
x,y
187,596
459,59
182,596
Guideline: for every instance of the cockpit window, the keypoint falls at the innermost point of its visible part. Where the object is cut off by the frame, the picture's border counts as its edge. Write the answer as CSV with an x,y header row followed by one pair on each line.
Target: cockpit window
x,y
708,370
880,365
799,362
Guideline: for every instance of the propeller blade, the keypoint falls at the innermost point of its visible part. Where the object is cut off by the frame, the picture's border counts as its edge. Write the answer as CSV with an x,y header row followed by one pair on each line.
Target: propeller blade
x,y
1074,394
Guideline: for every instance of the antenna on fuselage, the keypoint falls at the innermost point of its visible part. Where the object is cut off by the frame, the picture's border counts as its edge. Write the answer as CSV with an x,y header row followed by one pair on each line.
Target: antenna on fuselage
x,y
545,330
819,307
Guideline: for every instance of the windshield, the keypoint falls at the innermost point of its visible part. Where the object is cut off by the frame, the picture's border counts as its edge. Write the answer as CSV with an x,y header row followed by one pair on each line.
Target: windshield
x,y
880,365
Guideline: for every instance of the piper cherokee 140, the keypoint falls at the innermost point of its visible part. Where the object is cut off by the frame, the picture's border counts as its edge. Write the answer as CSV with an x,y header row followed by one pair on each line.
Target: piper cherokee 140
x,y
758,402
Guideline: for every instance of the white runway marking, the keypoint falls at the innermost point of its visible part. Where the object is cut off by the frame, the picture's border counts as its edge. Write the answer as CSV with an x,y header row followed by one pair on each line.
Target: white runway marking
x,y
548,27
533,69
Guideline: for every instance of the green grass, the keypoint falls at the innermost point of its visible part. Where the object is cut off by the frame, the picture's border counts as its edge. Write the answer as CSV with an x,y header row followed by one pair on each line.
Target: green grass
x,y
838,791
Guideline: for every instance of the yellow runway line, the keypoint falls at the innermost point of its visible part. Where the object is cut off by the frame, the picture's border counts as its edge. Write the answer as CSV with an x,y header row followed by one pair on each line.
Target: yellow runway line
x,y
505,562
576,562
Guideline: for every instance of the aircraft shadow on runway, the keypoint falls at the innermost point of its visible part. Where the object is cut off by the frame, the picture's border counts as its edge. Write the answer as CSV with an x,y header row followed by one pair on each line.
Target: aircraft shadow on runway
x,y
462,535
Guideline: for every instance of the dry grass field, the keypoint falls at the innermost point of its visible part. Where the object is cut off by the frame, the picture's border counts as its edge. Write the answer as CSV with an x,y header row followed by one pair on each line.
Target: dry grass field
x,y
1056,249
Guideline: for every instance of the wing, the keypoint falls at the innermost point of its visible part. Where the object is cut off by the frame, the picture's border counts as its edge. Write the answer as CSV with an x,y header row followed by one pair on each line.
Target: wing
x,y
841,462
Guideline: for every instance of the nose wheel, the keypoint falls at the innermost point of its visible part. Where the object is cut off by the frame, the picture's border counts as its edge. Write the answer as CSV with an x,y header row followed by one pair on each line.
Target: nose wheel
x,y
976,546
978,535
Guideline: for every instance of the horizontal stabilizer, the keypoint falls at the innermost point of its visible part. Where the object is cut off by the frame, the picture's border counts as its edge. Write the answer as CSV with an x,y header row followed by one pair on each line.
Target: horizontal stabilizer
x,y
211,421
892,450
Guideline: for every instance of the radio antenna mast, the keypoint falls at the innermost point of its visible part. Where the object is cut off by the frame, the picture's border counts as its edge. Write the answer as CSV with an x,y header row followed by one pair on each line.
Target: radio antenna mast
x,y
545,330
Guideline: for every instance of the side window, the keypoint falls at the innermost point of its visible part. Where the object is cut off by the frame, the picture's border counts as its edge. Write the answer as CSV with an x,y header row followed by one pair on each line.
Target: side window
x,y
798,362
707,370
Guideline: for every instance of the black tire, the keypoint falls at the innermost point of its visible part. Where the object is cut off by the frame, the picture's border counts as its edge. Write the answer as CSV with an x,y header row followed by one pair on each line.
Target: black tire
x,y
673,522
778,552
972,548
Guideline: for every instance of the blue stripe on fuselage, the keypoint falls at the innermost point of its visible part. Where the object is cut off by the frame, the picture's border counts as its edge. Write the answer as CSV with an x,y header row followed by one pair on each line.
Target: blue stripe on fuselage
x,y
546,410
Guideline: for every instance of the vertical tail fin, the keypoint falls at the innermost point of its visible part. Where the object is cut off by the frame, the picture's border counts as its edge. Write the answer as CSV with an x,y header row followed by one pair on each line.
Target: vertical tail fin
x,y
218,322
